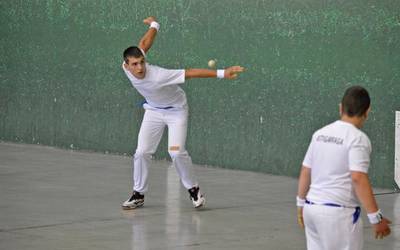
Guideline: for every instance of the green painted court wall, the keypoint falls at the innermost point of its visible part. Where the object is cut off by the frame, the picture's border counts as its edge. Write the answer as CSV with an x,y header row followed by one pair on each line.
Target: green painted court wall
x,y
61,82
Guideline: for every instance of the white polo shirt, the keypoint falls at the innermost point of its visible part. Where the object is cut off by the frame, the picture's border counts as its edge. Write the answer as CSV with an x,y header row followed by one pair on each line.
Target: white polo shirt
x,y
160,86
334,151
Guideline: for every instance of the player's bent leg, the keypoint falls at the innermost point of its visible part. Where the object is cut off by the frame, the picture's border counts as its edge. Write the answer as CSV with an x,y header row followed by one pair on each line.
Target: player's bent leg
x,y
183,164
177,128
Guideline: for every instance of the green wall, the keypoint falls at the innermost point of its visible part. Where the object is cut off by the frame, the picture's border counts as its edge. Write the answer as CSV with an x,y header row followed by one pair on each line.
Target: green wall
x,y
61,82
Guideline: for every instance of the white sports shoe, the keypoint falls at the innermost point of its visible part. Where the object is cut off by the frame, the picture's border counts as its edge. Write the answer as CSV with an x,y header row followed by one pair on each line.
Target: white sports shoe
x,y
197,197
136,200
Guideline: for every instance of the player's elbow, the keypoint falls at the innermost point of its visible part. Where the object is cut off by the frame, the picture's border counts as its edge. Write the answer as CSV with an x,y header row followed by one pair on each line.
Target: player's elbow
x,y
143,45
358,177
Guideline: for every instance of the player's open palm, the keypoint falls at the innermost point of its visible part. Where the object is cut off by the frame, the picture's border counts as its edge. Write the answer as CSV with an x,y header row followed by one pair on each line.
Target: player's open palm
x,y
382,229
232,72
149,19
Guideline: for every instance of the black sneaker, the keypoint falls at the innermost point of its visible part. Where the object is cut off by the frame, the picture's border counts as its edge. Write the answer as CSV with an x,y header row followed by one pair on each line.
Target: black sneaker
x,y
196,197
136,200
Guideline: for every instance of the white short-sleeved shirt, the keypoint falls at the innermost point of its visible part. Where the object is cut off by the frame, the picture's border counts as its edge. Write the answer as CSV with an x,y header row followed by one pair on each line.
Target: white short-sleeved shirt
x,y
334,151
160,86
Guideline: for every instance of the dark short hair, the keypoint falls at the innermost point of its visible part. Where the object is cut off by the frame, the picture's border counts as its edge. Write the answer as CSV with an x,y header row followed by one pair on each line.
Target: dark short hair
x,y
132,51
355,101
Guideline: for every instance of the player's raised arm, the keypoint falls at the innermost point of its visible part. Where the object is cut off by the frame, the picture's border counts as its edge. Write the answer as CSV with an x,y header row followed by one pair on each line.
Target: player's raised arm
x,y
147,40
229,73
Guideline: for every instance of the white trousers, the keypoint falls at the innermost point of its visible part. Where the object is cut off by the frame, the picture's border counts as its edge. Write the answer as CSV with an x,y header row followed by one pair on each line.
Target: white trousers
x,y
332,228
151,130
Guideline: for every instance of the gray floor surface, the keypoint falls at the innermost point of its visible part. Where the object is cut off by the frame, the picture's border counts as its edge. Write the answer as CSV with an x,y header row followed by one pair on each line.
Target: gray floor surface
x,y
60,199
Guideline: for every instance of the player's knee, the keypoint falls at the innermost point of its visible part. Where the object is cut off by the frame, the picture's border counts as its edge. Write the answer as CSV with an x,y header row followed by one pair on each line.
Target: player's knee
x,y
176,151
142,154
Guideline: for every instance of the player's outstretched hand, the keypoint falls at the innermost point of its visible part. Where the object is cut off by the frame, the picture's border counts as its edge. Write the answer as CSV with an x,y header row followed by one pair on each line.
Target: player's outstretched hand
x,y
149,19
300,219
382,229
232,72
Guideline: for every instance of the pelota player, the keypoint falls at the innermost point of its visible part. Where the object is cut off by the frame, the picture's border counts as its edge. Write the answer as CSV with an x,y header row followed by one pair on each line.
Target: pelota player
x,y
165,105
334,180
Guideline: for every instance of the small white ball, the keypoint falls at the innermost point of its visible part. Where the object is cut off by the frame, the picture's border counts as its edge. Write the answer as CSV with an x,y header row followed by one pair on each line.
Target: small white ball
x,y
211,63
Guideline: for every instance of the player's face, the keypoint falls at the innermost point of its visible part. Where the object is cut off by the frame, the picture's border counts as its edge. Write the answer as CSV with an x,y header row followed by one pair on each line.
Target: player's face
x,y
137,66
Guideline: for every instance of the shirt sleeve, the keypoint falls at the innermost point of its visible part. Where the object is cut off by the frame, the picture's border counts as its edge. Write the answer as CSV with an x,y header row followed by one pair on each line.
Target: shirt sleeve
x,y
359,154
307,162
170,76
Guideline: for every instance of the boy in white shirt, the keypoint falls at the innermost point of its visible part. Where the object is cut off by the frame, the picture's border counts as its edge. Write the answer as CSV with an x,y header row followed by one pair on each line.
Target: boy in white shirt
x,y
334,180
165,105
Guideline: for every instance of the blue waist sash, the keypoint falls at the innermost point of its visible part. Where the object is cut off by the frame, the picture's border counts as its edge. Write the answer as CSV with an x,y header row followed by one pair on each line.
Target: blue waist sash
x,y
356,214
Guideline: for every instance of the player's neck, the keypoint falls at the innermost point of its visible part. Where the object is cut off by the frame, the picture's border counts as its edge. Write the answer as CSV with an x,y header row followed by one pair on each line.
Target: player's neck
x,y
355,120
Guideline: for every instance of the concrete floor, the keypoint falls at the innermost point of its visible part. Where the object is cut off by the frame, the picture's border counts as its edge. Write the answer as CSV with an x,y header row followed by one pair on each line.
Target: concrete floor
x,y
59,199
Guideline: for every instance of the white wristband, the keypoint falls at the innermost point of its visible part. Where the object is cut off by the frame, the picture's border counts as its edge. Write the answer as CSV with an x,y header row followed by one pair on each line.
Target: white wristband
x,y
375,218
155,25
220,73
300,202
